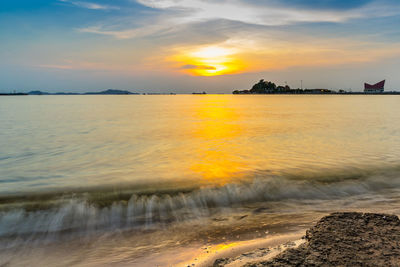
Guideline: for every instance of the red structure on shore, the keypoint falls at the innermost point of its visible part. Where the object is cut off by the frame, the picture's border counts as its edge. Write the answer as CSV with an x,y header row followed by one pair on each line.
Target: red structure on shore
x,y
374,88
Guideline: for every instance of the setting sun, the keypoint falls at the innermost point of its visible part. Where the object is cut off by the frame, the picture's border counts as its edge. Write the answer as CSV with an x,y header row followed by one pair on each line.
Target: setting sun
x,y
209,61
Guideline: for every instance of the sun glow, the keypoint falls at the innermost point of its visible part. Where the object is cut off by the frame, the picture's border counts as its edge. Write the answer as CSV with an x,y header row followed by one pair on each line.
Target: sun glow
x,y
212,52
210,61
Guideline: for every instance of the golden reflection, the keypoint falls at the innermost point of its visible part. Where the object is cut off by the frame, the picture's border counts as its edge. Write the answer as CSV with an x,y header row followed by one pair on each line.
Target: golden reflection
x,y
222,247
217,131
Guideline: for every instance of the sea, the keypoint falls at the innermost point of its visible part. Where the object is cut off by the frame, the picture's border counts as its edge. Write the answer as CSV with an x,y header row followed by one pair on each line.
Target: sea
x,y
150,180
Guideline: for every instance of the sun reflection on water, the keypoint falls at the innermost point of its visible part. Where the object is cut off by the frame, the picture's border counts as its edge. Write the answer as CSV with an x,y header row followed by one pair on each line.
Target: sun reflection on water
x,y
217,129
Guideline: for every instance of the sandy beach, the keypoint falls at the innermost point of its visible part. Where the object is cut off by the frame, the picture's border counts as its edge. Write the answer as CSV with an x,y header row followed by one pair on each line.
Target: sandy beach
x,y
240,253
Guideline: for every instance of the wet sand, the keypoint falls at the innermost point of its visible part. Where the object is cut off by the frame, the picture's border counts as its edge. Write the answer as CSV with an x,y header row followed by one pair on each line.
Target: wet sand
x,y
235,253
242,252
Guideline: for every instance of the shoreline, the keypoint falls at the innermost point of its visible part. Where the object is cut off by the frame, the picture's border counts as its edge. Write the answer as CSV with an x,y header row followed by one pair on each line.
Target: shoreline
x,y
242,252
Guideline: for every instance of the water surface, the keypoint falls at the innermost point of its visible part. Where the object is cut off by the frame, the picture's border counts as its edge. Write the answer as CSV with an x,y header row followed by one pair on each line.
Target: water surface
x,y
224,167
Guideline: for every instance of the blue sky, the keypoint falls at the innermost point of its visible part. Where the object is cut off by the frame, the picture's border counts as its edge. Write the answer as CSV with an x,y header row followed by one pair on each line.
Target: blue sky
x,y
188,45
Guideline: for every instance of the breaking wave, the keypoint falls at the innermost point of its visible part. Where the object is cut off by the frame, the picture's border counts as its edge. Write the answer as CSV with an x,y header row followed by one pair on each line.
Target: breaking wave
x,y
35,218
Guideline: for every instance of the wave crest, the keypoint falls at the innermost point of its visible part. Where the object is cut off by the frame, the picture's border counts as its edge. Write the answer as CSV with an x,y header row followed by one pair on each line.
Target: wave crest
x,y
81,214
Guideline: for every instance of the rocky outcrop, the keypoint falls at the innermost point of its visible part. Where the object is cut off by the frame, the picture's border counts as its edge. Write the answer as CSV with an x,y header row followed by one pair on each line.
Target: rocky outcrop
x,y
346,239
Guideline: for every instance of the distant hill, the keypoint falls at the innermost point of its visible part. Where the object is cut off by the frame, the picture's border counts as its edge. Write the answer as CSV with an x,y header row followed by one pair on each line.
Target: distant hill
x,y
106,92
111,92
38,93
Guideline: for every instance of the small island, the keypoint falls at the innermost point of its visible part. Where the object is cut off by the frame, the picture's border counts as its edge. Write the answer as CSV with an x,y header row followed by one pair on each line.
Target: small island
x,y
268,87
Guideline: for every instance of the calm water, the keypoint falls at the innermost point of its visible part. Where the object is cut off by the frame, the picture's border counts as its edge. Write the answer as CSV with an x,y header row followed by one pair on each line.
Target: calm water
x,y
134,169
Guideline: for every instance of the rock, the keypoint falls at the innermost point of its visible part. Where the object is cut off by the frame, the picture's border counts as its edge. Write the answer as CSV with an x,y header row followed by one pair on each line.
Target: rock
x,y
346,239
221,262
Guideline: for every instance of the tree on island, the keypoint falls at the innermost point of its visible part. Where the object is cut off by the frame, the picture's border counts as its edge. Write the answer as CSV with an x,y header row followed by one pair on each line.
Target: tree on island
x,y
264,87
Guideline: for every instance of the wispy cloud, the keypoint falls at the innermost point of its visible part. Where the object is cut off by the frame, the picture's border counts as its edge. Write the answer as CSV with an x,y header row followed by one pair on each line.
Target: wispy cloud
x,y
86,65
90,5
175,15
269,13
124,33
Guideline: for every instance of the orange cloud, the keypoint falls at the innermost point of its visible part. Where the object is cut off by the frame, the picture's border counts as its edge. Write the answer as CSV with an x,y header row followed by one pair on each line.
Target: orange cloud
x,y
239,56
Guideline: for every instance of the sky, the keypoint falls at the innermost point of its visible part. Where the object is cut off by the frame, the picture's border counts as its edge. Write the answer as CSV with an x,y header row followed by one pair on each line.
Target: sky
x,y
186,46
